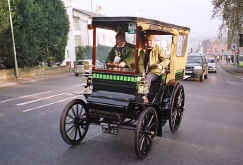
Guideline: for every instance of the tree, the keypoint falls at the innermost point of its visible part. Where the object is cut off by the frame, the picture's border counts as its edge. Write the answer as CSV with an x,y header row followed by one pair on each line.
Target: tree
x,y
84,52
40,28
81,53
4,16
102,52
56,26
5,39
229,11
206,44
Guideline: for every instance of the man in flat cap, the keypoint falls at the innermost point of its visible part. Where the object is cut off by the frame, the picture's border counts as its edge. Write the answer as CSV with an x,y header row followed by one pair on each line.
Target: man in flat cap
x,y
121,54
155,62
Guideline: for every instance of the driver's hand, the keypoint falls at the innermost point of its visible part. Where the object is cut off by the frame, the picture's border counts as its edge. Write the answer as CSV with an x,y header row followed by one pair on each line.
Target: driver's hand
x,y
122,64
159,66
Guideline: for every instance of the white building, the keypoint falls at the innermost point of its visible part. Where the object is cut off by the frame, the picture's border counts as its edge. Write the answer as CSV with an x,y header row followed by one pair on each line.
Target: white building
x,y
78,35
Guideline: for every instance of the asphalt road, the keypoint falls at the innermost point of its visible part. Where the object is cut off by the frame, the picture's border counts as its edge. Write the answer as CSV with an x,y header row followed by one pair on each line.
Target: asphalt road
x,y
211,130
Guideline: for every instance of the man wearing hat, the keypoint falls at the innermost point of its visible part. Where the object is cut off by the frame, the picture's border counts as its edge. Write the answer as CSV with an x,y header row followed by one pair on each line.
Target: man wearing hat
x,y
121,54
154,62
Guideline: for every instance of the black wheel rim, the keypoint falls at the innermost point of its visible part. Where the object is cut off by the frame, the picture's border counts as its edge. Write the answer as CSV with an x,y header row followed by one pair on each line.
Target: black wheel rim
x,y
177,110
76,124
147,131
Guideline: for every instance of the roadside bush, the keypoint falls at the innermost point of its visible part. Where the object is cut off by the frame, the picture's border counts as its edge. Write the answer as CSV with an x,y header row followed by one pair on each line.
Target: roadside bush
x,y
40,28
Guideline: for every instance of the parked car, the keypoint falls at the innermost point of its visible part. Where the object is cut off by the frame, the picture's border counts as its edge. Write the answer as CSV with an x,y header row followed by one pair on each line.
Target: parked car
x,y
53,64
197,66
212,65
82,67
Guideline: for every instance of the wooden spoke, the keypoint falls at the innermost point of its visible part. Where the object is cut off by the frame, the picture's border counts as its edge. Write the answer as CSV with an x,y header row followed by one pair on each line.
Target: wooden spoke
x,y
74,115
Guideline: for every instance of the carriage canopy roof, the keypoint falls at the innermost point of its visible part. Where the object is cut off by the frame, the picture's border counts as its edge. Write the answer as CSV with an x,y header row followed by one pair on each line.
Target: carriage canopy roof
x,y
145,24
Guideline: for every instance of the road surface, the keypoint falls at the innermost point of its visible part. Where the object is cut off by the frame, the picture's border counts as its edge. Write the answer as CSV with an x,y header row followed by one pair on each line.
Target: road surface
x,y
211,132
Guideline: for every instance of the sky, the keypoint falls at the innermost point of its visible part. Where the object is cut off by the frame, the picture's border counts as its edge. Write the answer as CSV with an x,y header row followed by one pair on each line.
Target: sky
x,y
195,14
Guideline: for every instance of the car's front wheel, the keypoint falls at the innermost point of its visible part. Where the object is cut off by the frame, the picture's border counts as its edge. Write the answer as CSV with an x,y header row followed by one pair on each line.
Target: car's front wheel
x,y
74,123
201,78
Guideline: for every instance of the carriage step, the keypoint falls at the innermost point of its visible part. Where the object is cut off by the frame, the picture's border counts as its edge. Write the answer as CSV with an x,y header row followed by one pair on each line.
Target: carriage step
x,y
110,129
104,114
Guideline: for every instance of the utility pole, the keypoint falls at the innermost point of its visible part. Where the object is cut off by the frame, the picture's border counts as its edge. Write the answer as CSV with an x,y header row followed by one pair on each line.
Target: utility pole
x,y
14,49
91,5
239,12
240,28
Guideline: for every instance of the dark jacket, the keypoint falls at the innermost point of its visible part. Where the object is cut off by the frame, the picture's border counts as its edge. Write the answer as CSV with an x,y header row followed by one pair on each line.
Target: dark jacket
x,y
126,53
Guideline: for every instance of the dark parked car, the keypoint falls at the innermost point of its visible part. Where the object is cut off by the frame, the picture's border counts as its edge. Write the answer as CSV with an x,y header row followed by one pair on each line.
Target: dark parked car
x,y
197,66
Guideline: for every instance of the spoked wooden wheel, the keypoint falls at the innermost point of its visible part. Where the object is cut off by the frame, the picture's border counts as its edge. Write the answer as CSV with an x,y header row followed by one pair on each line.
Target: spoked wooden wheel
x,y
73,123
177,107
147,127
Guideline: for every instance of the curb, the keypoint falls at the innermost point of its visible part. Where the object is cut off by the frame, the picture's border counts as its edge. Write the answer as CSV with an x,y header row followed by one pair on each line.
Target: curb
x,y
232,69
31,79
7,84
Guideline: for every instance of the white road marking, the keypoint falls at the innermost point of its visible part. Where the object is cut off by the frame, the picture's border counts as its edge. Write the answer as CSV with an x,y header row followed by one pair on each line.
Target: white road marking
x,y
37,94
74,86
40,99
46,105
21,97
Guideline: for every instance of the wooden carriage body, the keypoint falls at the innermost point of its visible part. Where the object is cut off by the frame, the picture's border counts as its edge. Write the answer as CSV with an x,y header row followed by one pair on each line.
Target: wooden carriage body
x,y
116,100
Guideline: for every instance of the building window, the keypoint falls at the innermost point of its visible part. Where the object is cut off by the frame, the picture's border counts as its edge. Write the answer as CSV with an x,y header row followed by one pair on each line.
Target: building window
x,y
76,23
77,40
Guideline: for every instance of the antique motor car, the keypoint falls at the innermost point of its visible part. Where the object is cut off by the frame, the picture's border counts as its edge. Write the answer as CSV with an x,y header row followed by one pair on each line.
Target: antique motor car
x,y
116,98
197,66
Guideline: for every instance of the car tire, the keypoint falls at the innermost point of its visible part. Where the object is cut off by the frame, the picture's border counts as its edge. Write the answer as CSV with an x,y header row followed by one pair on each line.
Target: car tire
x,y
201,78
206,76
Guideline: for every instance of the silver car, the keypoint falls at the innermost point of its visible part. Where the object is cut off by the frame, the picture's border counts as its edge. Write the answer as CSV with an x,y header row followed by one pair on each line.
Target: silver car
x,y
212,66
83,67
197,67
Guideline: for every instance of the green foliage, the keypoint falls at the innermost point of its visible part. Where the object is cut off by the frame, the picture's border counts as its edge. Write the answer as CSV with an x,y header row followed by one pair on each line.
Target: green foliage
x,y
229,11
83,52
4,16
40,28
102,52
5,39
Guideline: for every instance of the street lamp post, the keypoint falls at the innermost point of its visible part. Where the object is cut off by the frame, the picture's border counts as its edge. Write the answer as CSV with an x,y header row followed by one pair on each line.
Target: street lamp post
x,y
14,49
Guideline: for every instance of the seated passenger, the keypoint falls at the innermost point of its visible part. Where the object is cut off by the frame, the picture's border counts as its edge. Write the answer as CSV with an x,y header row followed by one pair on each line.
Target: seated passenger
x,y
122,54
155,63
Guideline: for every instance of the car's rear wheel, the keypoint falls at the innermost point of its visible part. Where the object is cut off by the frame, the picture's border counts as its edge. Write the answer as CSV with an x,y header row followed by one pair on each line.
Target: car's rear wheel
x,y
177,108
201,78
